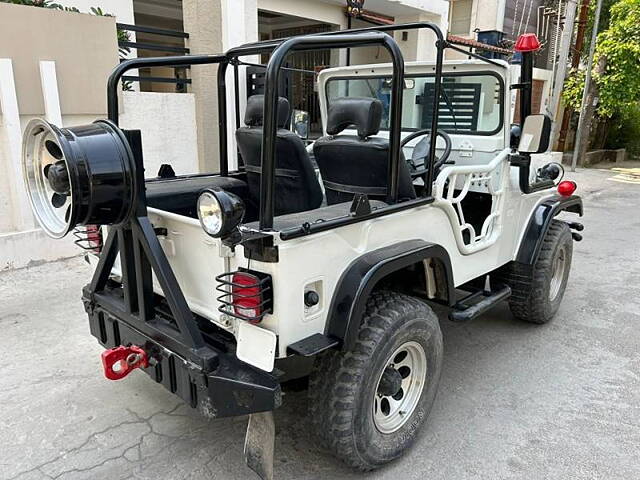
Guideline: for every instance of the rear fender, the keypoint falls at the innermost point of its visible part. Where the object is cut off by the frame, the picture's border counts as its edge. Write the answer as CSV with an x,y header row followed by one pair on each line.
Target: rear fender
x,y
363,274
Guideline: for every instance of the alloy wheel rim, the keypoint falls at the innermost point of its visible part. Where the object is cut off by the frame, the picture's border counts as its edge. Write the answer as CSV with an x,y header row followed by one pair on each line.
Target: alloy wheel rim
x,y
557,268
406,370
54,219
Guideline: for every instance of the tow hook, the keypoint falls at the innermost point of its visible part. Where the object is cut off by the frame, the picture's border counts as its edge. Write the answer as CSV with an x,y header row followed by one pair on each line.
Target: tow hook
x,y
121,361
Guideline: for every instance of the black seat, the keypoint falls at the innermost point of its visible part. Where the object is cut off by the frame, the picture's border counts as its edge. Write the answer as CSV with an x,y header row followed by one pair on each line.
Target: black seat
x,y
297,188
351,164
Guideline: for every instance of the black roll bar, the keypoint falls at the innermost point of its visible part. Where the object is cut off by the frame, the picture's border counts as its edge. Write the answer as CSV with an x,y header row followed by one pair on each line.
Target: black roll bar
x,y
313,42
333,39
172,61
269,45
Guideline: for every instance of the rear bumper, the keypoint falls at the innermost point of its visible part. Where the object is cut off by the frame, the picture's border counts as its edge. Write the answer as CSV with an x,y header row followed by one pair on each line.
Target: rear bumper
x,y
211,380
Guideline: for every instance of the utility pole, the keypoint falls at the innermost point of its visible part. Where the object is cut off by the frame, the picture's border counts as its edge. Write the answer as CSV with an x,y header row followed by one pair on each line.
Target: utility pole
x,y
575,63
565,46
584,123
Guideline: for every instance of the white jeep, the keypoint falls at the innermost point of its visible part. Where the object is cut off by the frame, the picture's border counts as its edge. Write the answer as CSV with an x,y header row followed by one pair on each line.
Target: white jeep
x,y
222,286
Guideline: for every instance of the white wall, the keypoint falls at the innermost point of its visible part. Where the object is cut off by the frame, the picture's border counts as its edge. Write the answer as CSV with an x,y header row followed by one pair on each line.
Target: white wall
x,y
121,9
168,125
314,10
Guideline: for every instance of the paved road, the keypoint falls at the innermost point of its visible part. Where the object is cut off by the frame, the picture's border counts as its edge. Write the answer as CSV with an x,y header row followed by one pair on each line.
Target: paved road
x,y
516,401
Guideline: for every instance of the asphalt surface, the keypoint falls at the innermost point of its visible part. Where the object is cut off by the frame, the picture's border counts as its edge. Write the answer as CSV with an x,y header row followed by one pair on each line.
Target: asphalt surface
x,y
516,401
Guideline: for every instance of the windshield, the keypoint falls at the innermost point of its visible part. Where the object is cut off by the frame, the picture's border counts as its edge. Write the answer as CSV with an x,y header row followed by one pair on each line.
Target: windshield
x,y
470,104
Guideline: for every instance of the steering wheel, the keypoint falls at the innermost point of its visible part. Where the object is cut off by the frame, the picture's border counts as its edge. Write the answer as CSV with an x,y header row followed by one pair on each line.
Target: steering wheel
x,y
421,152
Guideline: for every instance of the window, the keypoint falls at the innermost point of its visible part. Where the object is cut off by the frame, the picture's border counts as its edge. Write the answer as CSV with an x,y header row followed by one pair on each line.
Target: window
x,y
469,103
460,23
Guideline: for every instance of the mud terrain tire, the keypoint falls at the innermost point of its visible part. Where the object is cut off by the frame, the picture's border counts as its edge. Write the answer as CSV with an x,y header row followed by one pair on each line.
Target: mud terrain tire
x,y
344,387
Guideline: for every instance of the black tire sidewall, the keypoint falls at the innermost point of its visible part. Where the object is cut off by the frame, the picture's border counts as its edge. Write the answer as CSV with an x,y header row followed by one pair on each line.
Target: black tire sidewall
x,y
551,306
374,447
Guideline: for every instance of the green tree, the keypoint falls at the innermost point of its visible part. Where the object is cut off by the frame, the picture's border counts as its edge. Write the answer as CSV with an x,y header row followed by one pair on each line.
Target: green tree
x,y
619,47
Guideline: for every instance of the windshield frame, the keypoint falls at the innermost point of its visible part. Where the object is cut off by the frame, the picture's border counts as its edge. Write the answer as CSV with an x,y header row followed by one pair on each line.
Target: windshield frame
x,y
501,104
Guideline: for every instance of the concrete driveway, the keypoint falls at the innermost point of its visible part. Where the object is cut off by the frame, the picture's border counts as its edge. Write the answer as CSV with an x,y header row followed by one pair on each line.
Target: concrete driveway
x,y
516,401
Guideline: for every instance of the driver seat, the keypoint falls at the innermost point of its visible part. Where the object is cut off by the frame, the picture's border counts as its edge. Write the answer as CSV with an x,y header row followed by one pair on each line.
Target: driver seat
x,y
351,164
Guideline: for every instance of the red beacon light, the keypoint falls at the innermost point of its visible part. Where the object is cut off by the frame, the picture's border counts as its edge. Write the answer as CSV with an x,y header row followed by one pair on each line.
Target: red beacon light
x,y
527,42
566,188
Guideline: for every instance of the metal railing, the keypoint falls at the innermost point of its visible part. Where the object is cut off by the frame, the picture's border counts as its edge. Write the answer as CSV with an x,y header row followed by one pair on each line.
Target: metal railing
x,y
180,77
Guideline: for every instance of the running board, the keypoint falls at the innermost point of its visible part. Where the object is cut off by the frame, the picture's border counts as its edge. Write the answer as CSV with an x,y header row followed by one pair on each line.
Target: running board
x,y
463,312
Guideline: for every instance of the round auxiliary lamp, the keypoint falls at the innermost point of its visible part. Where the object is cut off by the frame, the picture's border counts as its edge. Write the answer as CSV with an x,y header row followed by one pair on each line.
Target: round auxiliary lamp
x,y
80,175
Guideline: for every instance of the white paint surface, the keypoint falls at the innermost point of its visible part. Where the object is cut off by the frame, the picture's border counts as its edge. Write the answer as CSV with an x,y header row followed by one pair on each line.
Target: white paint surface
x,y
49,83
21,249
239,26
168,124
19,215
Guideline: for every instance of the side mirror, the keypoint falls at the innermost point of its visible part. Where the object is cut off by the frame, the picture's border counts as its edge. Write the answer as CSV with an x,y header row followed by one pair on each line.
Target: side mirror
x,y
536,134
300,123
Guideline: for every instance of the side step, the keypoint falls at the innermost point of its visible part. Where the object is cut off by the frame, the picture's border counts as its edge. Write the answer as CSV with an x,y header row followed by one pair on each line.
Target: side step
x,y
310,346
463,312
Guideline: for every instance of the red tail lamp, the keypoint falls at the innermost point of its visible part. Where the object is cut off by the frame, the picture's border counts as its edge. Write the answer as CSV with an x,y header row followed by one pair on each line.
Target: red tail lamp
x,y
566,188
246,295
247,298
94,237
527,42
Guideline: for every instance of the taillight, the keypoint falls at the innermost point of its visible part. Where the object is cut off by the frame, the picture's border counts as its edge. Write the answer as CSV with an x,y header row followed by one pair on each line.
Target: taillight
x,y
245,291
245,295
566,188
89,238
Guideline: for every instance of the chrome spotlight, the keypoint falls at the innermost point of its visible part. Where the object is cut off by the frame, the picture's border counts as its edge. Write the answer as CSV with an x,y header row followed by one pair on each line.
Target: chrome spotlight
x,y
220,212
77,176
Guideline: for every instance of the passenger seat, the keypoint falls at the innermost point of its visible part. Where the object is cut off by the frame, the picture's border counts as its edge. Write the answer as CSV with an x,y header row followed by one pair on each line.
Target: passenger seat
x,y
296,187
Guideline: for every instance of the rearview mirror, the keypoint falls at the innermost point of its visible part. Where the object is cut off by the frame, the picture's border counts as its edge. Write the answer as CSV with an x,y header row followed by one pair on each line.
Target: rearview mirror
x,y
535,135
300,123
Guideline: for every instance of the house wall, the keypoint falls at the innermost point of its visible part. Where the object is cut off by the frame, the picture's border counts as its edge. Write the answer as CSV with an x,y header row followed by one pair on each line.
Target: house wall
x,y
121,9
203,21
70,89
83,46
171,135
316,10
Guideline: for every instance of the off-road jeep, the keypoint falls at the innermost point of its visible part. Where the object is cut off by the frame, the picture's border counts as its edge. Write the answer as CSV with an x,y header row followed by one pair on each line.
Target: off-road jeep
x,y
319,261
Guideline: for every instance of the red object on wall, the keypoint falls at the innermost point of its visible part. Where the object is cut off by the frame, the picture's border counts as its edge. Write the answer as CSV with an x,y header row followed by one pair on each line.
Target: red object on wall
x,y
527,42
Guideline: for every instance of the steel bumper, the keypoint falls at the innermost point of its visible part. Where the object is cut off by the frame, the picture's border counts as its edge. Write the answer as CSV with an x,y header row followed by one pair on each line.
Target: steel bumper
x,y
218,384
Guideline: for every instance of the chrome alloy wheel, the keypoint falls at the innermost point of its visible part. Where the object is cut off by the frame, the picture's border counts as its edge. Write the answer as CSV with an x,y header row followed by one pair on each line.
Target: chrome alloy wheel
x,y
399,387
557,272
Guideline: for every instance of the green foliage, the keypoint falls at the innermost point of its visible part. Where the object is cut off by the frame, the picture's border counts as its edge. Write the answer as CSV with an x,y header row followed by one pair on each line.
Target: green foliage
x,y
619,85
573,86
624,131
619,47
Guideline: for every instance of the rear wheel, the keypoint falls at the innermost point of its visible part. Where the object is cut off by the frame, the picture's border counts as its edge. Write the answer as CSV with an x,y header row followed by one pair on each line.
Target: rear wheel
x,y
536,291
367,404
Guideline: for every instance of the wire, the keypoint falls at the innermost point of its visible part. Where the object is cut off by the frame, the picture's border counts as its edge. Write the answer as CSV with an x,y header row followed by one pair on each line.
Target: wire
x,y
524,7
526,27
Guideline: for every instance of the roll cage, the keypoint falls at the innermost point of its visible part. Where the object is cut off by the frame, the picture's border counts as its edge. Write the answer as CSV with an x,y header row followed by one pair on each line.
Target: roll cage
x,y
279,50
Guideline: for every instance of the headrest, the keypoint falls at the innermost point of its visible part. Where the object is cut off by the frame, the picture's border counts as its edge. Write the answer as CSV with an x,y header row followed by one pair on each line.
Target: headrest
x,y
364,113
254,114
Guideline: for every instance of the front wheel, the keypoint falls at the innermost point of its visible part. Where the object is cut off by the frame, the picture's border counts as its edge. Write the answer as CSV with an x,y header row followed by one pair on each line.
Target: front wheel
x,y
367,404
537,291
